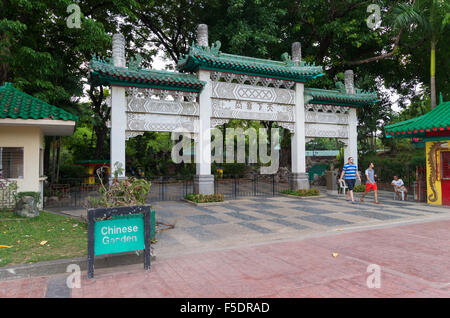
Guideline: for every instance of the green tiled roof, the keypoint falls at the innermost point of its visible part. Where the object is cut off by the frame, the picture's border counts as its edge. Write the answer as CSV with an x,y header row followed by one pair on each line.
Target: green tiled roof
x,y
103,73
340,97
17,104
212,59
435,122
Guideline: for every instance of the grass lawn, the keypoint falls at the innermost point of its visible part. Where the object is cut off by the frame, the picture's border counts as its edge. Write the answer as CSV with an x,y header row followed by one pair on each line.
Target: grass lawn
x,y
66,238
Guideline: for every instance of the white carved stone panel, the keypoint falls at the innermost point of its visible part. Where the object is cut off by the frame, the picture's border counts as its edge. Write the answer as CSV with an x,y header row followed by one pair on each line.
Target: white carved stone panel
x,y
326,130
288,126
131,134
250,110
251,80
244,92
218,122
328,118
161,123
327,108
163,107
148,100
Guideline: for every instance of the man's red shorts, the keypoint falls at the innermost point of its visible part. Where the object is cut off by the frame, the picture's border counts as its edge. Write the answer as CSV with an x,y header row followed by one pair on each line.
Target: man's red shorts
x,y
371,186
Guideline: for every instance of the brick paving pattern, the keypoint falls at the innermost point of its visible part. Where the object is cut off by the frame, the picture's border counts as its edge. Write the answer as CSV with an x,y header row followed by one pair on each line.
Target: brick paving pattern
x,y
280,247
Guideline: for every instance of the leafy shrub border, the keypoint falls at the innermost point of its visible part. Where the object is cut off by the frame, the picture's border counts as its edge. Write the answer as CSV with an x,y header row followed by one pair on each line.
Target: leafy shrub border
x,y
35,195
359,188
302,192
205,198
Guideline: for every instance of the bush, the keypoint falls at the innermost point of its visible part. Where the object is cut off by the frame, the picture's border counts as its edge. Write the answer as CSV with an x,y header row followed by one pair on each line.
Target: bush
x,y
359,188
35,195
69,170
303,192
232,169
205,198
127,192
401,164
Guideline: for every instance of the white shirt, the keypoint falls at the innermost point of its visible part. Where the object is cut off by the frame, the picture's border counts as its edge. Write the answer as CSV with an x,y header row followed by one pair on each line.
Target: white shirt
x,y
398,183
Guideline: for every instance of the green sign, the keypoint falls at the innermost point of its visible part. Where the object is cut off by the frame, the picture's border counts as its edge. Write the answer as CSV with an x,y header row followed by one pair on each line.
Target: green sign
x,y
121,234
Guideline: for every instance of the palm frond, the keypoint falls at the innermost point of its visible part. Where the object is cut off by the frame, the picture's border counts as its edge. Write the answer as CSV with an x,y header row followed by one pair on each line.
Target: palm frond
x,y
408,15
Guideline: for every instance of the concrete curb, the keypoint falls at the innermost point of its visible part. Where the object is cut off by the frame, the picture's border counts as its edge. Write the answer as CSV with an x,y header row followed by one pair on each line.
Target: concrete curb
x,y
303,197
60,266
205,204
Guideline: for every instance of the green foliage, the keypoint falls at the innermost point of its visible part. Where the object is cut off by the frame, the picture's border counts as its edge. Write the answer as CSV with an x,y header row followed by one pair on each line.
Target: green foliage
x,y
35,195
234,169
302,192
41,55
402,164
359,188
68,170
125,192
45,58
151,153
79,143
205,198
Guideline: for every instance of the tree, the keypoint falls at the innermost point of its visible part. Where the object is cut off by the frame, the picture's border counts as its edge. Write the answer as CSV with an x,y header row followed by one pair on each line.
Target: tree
x,y
430,18
101,114
42,56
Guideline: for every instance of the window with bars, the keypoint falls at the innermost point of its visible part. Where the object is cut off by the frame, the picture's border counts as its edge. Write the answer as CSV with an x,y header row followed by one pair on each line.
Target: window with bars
x,y
11,162
445,164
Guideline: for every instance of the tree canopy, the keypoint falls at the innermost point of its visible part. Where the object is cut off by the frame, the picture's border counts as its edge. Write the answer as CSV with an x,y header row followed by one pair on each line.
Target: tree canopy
x,y
45,57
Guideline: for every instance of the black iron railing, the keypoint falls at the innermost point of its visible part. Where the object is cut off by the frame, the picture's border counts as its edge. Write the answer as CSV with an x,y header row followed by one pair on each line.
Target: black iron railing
x,y
73,193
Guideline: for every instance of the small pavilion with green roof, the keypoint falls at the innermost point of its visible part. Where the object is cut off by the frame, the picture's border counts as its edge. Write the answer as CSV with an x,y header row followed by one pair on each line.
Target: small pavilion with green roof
x,y
211,87
24,121
434,129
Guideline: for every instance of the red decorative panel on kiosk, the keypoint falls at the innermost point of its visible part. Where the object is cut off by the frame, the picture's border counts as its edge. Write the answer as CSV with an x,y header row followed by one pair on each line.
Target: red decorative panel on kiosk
x,y
445,177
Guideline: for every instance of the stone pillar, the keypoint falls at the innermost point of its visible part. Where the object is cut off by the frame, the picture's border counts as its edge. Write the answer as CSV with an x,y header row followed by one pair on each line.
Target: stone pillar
x,y
296,53
351,147
202,35
298,150
204,180
118,108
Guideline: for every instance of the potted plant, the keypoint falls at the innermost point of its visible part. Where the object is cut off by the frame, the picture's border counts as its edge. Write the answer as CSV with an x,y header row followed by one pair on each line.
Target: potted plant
x,y
129,192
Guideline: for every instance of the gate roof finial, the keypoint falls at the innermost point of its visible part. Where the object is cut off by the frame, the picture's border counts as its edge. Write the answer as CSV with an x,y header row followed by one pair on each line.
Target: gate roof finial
x,y
118,50
349,82
296,53
202,35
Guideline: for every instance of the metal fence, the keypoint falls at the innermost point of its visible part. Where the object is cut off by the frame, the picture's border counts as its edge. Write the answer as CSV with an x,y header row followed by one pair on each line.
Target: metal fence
x,y
420,185
7,194
258,185
73,193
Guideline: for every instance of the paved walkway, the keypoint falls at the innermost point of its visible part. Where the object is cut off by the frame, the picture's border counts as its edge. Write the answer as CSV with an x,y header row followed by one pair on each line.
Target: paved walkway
x,y
413,260
279,247
259,220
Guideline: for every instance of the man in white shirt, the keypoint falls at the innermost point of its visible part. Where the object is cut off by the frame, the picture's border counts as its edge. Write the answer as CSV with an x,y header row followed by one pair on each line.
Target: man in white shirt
x,y
399,186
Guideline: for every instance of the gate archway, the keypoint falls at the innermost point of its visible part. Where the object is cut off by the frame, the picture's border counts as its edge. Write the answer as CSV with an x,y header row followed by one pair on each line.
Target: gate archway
x,y
213,87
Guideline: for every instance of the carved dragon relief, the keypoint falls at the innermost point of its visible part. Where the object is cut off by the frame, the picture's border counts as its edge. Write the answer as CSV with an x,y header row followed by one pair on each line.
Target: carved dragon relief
x,y
433,197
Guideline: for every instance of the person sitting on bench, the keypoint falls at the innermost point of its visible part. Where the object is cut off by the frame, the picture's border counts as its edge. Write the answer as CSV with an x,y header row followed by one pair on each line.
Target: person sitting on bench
x,y
399,186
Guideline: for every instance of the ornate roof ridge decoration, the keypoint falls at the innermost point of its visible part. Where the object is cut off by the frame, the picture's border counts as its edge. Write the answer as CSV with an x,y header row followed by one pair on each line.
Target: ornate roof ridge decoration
x,y
340,97
435,123
103,72
17,104
211,58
